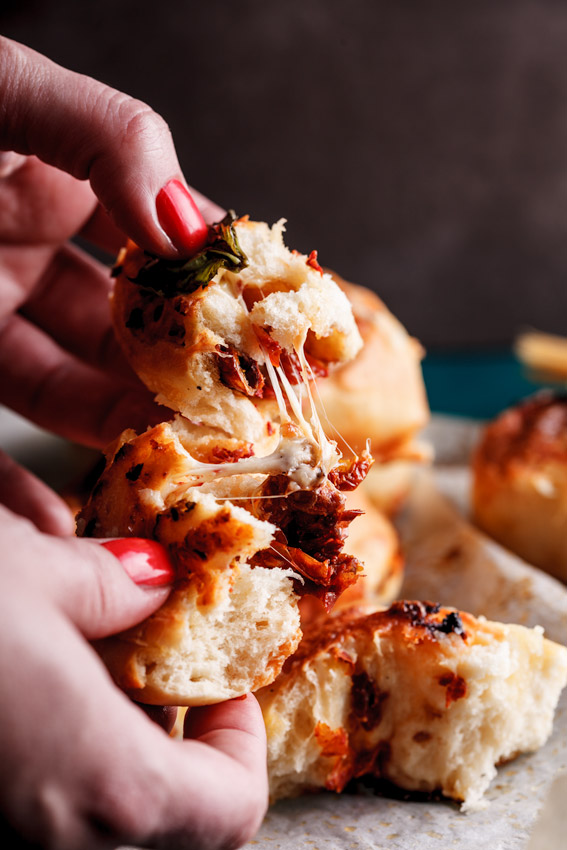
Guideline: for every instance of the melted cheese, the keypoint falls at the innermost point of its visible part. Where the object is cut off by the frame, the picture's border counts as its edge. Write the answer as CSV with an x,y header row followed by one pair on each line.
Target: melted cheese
x,y
304,453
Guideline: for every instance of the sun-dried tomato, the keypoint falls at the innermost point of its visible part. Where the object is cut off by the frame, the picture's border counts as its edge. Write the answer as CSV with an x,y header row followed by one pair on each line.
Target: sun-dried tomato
x,y
349,476
222,454
239,372
312,261
273,348
366,701
312,526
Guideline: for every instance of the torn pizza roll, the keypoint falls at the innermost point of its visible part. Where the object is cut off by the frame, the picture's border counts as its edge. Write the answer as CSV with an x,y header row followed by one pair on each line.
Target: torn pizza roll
x,y
428,699
204,334
230,338
246,542
519,494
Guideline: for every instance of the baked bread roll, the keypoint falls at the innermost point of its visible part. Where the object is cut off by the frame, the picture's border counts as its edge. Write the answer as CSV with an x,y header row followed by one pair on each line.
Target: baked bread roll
x,y
233,617
204,334
427,698
226,625
226,628
244,490
379,395
519,494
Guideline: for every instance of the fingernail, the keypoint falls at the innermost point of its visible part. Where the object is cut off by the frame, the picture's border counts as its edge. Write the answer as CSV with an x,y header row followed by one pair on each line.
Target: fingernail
x,y
145,561
179,216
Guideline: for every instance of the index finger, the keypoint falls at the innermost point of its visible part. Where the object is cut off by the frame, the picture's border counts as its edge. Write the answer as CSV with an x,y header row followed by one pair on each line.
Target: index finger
x,y
93,132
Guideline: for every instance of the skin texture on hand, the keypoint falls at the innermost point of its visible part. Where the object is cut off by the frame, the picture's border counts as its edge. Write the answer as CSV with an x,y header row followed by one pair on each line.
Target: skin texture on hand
x,y
82,765
55,334
61,366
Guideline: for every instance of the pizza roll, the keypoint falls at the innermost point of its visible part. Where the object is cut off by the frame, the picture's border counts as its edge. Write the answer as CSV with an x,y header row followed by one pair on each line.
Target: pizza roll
x,y
205,334
379,395
519,491
246,542
428,699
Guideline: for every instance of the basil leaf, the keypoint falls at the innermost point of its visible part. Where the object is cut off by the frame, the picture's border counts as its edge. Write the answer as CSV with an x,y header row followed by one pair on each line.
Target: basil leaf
x,y
180,277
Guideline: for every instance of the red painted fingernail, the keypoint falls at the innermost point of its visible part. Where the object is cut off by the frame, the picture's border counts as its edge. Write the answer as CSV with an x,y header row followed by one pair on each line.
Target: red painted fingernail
x,y
145,561
179,216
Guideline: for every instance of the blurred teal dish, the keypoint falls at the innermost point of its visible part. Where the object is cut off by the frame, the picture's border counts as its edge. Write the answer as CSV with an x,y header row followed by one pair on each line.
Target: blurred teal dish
x,y
476,384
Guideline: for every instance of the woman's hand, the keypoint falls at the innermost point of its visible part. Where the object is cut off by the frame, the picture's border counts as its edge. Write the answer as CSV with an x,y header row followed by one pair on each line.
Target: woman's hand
x,y
82,766
78,158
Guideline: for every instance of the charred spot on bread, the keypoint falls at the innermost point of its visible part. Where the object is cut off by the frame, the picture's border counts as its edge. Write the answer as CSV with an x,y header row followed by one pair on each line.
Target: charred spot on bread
x,y
424,615
134,473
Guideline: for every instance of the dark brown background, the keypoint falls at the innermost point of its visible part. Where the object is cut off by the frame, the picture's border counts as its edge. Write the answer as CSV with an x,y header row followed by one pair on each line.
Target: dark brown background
x,y
420,146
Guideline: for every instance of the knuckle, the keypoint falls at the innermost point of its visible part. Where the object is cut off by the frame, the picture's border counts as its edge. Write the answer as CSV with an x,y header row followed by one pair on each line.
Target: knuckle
x,y
131,808
140,125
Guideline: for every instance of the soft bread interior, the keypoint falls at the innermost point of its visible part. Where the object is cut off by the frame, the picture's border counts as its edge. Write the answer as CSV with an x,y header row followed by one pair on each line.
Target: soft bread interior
x,y
427,700
227,627
194,654
204,353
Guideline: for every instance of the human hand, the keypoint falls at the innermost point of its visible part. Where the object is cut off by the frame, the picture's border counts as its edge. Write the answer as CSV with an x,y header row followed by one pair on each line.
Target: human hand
x,y
79,158
82,766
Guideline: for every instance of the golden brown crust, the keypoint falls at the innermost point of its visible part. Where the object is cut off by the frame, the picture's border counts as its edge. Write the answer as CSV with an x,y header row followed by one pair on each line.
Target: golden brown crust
x,y
380,394
426,698
520,482
529,433
413,622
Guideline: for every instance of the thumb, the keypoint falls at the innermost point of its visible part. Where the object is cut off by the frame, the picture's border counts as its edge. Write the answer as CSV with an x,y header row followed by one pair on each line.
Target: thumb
x,y
104,589
98,134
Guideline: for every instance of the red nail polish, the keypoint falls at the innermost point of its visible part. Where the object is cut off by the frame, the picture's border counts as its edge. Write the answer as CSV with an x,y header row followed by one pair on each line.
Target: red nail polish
x,y
145,561
179,216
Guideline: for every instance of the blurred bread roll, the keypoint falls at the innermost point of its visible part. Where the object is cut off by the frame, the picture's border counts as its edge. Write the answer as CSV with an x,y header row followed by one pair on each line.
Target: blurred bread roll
x,y
380,394
519,494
